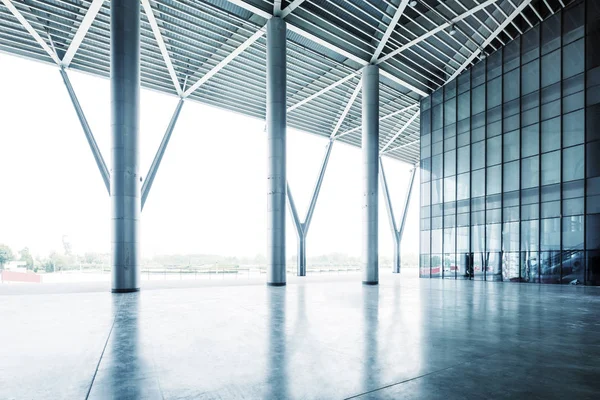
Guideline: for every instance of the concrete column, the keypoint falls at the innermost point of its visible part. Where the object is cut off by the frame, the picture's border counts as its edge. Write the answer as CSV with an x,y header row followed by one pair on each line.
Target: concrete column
x,y
276,132
125,177
370,151
301,255
397,261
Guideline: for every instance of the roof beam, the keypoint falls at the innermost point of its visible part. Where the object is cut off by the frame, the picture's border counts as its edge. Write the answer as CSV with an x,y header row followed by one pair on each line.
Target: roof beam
x,y
225,61
251,8
403,83
288,10
326,44
390,115
85,25
277,8
346,110
406,125
400,147
389,30
11,7
498,30
330,46
161,45
436,30
324,90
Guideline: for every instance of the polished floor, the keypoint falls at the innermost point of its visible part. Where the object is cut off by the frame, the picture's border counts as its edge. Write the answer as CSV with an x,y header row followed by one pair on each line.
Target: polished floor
x,y
317,338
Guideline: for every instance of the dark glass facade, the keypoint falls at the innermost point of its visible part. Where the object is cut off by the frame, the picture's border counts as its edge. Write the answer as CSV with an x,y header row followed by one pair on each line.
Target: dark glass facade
x,y
510,160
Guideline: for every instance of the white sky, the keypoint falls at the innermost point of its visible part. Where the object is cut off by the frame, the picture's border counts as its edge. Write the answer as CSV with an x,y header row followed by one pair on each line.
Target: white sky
x,y
209,195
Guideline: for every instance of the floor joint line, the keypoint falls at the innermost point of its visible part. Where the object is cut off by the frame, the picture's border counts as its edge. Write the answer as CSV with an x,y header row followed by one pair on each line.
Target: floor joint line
x,y
103,350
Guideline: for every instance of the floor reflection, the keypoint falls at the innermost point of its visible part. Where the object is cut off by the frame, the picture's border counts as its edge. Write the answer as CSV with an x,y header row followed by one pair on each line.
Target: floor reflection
x,y
277,366
125,371
370,308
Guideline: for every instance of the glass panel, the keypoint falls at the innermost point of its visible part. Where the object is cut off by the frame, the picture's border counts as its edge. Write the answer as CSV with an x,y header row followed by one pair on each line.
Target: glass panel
x,y
592,231
572,232
436,117
550,266
551,33
478,74
463,156
494,266
530,269
450,163
510,267
530,44
550,234
494,154
551,168
573,59
512,55
450,112
573,267
494,65
436,167
478,183
424,265
573,128
478,155
450,189
573,23
494,179
551,135
530,139
530,77
478,100
512,83
436,191
463,186
464,106
425,194
494,93
436,265
530,172
511,146
464,81
573,163
551,68
511,176
529,235
494,129
450,89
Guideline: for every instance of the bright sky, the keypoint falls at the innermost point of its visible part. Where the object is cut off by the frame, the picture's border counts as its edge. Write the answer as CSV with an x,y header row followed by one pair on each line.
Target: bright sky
x,y
209,195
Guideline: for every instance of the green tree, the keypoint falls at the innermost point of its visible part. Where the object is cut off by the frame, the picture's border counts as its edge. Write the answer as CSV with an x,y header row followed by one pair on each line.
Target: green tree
x,y
25,255
6,255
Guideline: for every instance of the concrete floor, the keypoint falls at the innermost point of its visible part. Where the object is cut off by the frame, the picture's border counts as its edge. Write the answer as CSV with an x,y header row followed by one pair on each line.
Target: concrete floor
x,y
317,338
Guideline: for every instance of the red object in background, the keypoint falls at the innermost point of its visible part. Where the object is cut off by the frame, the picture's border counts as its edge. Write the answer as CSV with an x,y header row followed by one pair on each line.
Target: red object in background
x,y
12,276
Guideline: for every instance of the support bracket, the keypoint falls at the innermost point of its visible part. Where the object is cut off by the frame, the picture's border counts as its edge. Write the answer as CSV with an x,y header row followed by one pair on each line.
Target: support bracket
x,y
87,130
397,232
147,185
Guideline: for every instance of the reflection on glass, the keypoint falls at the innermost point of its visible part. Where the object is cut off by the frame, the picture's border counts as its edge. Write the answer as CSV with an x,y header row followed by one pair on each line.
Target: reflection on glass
x,y
520,196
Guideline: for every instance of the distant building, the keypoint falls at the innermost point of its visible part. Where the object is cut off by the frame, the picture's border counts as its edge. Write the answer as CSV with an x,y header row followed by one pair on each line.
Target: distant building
x,y
17,266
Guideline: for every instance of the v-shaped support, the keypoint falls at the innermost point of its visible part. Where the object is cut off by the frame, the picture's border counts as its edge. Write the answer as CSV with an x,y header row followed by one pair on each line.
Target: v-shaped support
x,y
397,232
302,226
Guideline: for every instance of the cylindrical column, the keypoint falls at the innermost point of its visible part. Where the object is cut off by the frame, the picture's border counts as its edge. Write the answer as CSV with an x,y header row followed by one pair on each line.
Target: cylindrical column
x,y
301,256
396,264
370,151
276,127
125,178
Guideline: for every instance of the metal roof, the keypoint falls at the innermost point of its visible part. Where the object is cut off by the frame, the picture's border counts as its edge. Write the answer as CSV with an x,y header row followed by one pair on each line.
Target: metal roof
x,y
213,51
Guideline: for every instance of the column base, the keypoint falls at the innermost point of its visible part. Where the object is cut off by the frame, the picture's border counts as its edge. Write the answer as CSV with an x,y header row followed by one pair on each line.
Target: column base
x,y
275,283
370,283
125,290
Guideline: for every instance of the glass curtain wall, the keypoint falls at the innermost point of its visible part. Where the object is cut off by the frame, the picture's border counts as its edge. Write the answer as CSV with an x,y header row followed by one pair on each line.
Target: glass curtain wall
x,y
510,160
